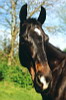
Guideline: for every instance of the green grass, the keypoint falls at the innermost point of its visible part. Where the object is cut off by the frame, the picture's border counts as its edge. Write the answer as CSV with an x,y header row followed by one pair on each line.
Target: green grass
x,y
10,92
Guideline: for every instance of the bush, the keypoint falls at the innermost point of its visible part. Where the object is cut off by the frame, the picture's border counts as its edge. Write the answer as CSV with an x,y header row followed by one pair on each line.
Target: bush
x,y
3,71
64,50
18,76
15,74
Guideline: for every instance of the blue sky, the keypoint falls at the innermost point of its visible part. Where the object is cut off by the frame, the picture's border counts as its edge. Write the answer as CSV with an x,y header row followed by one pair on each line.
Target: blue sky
x,y
59,37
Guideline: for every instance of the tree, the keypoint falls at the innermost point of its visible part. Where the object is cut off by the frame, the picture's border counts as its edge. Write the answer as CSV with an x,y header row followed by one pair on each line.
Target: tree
x,y
62,18
10,18
14,29
11,23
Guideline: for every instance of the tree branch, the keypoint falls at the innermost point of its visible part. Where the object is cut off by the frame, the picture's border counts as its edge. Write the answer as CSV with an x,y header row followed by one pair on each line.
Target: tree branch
x,y
36,9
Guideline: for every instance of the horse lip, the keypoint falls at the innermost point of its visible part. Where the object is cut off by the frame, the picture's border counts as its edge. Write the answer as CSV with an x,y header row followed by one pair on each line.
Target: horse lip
x,y
41,90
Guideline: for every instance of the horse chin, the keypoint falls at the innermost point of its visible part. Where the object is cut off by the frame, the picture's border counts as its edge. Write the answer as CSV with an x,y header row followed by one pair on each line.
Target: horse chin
x,y
46,91
41,90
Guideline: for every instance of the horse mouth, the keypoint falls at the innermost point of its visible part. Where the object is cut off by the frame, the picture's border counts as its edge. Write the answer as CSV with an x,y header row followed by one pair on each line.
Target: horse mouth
x,y
41,85
42,82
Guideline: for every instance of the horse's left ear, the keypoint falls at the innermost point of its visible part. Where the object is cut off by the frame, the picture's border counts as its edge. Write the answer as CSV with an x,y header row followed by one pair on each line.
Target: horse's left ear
x,y
42,15
23,13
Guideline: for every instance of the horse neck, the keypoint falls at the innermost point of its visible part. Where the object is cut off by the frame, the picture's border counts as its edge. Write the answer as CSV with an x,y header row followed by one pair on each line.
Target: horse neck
x,y
54,55
54,52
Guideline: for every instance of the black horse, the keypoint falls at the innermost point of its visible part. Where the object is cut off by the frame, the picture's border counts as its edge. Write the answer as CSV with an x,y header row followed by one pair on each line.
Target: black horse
x,y
39,56
32,50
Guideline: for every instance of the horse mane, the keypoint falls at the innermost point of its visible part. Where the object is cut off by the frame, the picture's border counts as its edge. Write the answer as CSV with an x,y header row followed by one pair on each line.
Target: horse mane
x,y
54,55
54,51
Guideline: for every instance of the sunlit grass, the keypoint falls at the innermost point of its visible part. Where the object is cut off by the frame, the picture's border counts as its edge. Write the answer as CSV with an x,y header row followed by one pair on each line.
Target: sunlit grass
x,y
10,92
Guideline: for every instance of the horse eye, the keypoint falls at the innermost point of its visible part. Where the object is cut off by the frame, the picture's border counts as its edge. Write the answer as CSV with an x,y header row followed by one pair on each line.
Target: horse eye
x,y
39,38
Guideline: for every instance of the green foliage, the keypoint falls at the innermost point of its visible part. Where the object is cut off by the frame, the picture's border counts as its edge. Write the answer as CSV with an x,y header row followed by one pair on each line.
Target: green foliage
x,y
17,74
64,50
3,71
8,91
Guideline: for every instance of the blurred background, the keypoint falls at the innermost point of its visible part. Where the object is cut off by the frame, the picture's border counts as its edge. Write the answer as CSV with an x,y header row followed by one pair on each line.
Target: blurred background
x,y
15,80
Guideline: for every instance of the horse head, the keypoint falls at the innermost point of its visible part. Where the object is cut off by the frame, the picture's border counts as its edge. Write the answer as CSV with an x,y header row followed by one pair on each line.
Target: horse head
x,y
32,53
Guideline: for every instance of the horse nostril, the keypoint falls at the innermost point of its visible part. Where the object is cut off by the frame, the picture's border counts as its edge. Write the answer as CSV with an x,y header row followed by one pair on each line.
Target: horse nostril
x,y
38,80
48,79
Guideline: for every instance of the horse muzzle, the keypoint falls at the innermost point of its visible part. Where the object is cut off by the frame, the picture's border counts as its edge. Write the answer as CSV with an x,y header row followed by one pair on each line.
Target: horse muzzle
x,y
43,79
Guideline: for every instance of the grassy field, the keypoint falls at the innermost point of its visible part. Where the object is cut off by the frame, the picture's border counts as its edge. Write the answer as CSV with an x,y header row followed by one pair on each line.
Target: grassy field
x,y
10,92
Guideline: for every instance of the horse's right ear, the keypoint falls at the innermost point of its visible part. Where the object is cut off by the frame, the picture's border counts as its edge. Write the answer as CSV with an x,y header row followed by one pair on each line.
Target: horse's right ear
x,y
23,13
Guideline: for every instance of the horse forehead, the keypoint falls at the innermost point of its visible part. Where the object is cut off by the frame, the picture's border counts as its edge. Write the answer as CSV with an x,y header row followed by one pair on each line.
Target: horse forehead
x,y
38,31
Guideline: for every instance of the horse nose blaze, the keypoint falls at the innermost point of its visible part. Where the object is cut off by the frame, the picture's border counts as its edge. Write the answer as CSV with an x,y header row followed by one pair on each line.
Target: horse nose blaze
x,y
44,83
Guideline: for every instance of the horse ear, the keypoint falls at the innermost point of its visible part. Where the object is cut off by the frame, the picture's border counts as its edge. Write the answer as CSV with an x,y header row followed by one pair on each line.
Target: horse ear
x,y
23,13
42,15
